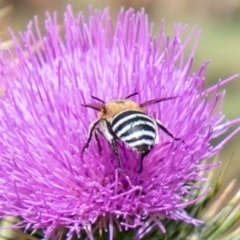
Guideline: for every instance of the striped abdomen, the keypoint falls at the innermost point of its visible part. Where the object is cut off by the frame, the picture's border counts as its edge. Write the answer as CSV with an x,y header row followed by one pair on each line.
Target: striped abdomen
x,y
136,129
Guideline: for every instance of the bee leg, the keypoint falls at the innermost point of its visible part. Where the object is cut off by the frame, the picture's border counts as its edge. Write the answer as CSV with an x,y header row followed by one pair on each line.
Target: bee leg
x,y
111,137
90,133
161,126
97,132
141,164
115,150
142,156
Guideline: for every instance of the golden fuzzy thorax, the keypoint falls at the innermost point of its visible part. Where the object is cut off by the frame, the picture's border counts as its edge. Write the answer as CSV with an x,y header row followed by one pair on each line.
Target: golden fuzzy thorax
x,y
114,107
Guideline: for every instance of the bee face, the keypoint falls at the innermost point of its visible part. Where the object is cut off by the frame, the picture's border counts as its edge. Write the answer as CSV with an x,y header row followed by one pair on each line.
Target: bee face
x,y
125,120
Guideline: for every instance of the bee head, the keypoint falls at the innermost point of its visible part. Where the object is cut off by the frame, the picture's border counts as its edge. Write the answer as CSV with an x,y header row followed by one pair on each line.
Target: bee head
x,y
111,108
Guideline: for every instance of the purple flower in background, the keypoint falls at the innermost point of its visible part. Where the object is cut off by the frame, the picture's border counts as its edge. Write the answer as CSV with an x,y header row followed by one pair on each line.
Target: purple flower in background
x,y
46,181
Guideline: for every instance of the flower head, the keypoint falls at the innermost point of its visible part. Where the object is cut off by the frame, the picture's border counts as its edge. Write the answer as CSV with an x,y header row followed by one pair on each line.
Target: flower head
x,y
46,180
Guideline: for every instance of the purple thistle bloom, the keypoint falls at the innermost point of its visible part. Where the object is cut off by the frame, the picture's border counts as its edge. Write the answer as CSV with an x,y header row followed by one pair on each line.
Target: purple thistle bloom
x,y
46,181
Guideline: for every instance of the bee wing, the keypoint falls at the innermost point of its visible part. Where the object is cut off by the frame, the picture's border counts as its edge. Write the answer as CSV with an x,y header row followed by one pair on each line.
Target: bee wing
x,y
95,106
157,100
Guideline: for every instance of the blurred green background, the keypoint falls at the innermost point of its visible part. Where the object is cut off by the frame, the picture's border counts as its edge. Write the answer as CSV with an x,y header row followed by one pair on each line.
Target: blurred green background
x,y
219,42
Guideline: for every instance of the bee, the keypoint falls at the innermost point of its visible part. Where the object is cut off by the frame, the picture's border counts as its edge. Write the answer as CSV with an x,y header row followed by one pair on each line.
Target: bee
x,y
125,120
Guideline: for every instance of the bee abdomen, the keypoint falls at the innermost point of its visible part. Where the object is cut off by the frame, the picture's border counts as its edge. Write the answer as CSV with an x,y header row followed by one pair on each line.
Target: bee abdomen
x,y
135,128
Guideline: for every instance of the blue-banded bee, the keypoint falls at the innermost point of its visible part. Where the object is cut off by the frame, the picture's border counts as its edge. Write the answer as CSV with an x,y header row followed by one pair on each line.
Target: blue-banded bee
x,y
125,120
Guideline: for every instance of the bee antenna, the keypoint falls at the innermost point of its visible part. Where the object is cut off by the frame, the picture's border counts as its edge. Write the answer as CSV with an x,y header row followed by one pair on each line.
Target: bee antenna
x,y
131,95
98,99
95,106
157,100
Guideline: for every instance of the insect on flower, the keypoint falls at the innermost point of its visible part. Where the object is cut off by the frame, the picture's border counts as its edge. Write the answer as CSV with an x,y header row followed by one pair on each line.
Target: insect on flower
x,y
127,121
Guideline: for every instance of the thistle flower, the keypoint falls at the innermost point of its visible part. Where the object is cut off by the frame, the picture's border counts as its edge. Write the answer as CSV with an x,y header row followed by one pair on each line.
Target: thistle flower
x,y
43,127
